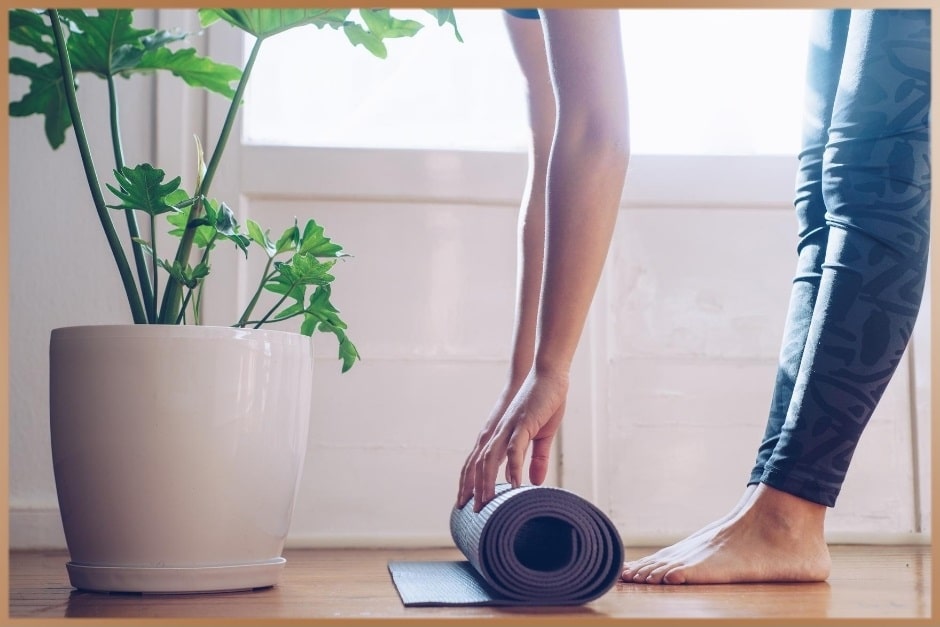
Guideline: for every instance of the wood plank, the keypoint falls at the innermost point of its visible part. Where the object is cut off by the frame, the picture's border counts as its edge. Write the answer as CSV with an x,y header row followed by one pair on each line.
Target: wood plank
x,y
866,582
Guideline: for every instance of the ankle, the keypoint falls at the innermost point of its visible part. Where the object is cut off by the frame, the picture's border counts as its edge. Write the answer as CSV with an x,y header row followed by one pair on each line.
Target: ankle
x,y
784,513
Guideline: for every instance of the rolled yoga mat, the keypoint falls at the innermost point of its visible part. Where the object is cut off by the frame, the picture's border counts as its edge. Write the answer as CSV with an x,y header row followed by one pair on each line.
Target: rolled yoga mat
x,y
528,546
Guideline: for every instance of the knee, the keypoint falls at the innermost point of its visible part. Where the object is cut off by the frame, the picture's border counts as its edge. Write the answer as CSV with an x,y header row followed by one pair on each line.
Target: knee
x,y
886,198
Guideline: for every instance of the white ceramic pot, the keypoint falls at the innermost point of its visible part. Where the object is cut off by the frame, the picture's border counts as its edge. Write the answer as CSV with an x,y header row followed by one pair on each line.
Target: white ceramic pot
x,y
177,453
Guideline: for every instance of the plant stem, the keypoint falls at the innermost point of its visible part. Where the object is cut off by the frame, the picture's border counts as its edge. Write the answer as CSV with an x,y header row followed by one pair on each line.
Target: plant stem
x,y
205,260
117,251
205,254
258,323
182,315
153,264
146,291
230,119
254,299
171,294
274,308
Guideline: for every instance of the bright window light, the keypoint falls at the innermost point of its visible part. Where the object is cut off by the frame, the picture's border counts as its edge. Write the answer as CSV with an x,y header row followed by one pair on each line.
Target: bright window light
x,y
706,81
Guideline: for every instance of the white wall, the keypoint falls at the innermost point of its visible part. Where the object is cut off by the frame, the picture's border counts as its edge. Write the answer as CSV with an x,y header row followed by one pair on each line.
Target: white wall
x,y
671,382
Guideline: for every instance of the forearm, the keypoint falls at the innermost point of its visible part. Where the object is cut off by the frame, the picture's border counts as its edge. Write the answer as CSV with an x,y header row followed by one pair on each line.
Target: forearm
x,y
585,183
585,175
531,245
529,45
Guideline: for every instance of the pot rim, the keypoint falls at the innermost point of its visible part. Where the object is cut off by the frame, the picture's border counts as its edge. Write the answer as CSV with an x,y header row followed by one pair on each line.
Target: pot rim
x,y
168,331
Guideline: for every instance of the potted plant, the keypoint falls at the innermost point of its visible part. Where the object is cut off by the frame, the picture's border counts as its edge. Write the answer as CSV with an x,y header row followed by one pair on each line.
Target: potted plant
x,y
172,480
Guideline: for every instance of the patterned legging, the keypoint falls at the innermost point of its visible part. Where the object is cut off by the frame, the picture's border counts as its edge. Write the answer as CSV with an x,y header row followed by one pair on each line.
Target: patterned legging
x,y
862,206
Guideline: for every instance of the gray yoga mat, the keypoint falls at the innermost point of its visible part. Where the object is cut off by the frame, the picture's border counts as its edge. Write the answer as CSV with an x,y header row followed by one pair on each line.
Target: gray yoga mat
x,y
528,546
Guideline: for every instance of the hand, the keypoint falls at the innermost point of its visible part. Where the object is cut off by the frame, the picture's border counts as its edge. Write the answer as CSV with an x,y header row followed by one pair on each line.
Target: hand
x,y
532,416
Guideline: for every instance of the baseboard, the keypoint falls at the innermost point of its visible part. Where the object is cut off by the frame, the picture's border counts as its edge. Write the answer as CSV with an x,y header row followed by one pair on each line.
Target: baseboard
x,y
41,529
832,537
402,541
897,539
367,541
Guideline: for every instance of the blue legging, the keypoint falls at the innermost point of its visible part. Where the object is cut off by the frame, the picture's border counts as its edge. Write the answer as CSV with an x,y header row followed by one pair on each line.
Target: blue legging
x,y
862,206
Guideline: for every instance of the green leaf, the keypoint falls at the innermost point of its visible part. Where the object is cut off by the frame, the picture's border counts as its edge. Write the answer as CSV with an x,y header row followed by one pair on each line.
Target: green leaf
x,y
293,278
142,188
264,23
106,43
227,227
186,275
161,38
315,243
347,350
292,310
446,16
308,270
177,198
208,17
321,310
241,242
205,236
180,218
357,35
225,222
383,25
309,325
321,307
285,285
218,222
197,71
204,231
379,23
261,238
200,163
46,96
201,271
290,239
28,28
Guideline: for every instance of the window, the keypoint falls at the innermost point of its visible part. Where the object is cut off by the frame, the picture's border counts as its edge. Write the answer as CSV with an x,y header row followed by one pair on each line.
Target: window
x,y
705,81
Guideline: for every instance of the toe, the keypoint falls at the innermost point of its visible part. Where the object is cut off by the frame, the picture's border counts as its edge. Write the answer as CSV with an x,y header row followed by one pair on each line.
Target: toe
x,y
631,568
673,576
641,574
655,576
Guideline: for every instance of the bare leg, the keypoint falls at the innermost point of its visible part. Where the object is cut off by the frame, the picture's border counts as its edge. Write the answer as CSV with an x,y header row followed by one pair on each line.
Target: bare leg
x,y
875,209
775,537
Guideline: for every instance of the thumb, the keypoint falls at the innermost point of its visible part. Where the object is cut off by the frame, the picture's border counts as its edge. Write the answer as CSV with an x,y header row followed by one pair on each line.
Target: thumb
x,y
538,467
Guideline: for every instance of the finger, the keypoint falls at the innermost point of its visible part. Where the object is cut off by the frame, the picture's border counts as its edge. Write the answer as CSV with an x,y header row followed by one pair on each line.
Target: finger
x,y
465,489
515,456
541,452
462,490
467,473
487,467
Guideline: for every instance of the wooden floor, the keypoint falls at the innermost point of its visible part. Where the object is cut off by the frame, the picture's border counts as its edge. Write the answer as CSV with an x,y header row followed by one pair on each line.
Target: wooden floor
x,y
867,582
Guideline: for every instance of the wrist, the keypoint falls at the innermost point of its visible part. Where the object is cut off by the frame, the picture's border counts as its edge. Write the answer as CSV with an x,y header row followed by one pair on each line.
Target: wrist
x,y
551,368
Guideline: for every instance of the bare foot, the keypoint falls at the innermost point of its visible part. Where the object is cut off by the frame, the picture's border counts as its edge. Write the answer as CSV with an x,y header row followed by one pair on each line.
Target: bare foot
x,y
630,569
775,537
